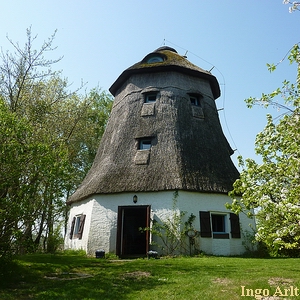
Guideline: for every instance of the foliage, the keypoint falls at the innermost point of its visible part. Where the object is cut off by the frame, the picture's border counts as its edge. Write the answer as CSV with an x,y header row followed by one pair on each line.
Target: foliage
x,y
49,277
48,139
272,188
172,231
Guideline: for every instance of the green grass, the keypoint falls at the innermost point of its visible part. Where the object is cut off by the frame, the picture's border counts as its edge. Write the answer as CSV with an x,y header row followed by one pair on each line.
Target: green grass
x,y
78,277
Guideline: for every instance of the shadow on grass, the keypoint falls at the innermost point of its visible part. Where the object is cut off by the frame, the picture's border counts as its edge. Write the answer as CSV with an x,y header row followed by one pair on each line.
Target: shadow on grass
x,y
72,277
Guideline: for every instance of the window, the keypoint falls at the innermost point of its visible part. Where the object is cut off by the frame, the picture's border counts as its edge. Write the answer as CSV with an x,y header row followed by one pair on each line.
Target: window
x,y
77,227
196,104
219,226
145,144
216,225
150,97
195,101
155,59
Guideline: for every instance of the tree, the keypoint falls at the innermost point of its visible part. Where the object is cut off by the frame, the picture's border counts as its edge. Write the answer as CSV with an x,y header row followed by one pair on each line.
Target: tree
x,y
48,140
294,5
272,188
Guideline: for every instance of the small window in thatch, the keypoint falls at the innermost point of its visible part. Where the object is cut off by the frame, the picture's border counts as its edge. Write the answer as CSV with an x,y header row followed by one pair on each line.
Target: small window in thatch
x,y
197,110
150,97
153,58
145,144
195,100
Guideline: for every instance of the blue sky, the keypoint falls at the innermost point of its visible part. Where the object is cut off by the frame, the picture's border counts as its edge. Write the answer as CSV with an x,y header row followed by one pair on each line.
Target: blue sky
x,y
99,39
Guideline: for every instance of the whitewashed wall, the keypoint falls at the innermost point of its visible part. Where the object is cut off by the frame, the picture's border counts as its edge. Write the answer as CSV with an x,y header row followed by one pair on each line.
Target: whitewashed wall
x,y
100,229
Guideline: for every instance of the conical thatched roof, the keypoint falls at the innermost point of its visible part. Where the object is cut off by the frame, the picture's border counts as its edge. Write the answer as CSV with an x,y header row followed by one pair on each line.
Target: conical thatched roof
x,y
188,148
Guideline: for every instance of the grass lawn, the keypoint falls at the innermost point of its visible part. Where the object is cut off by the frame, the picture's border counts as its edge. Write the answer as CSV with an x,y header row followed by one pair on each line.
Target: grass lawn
x,y
63,276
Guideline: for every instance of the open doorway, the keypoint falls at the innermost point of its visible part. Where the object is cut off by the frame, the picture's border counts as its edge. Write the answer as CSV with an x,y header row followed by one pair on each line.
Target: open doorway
x,y
132,240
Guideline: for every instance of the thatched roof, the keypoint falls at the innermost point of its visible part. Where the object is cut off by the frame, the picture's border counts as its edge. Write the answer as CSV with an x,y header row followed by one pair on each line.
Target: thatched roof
x,y
172,62
188,148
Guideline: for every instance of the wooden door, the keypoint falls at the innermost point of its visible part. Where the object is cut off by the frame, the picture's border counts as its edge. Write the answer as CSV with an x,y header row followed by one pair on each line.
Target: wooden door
x,y
132,238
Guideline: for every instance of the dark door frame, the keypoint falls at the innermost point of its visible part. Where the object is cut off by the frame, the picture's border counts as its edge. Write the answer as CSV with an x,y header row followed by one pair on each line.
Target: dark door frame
x,y
120,228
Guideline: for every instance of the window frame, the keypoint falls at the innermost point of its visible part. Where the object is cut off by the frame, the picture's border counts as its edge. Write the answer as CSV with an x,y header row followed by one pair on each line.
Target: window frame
x,y
154,58
224,234
77,225
195,99
148,95
145,144
215,222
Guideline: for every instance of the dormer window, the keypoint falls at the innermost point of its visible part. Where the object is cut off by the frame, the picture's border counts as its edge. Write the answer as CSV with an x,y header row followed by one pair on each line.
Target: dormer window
x,y
150,97
145,144
153,58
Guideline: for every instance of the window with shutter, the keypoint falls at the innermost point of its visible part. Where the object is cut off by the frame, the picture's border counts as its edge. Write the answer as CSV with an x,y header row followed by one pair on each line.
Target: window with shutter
x,y
214,225
81,226
205,227
77,226
235,226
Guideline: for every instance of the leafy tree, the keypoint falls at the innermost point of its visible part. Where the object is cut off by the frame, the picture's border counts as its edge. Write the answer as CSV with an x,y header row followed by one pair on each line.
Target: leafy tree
x,y
272,188
293,5
48,140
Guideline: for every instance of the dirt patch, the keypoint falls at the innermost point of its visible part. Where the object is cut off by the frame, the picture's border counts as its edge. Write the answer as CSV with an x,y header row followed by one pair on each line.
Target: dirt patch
x,y
67,276
222,281
278,281
136,275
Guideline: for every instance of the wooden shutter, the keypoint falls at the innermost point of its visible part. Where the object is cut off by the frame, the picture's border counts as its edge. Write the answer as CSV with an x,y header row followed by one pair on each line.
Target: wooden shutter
x,y
235,226
205,227
81,226
72,227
